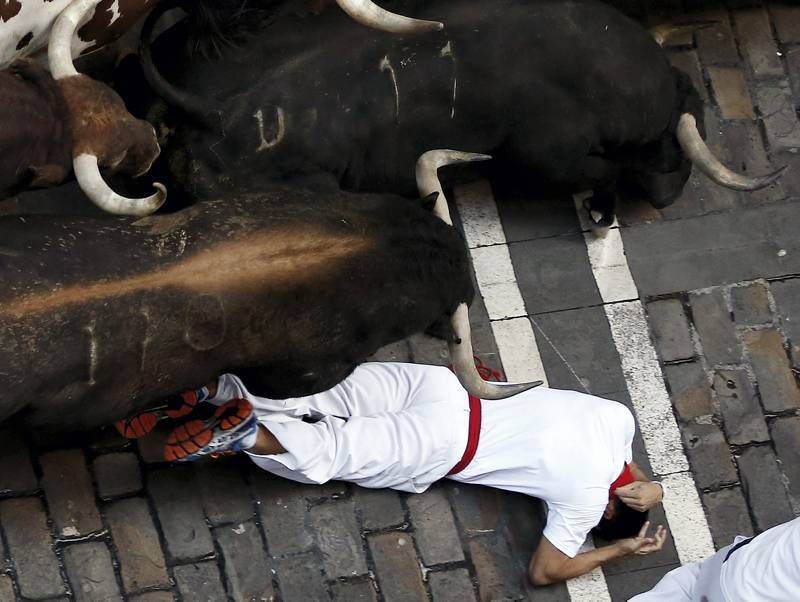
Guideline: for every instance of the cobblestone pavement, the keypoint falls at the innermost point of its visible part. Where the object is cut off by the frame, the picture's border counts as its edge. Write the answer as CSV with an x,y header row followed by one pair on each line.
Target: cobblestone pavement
x,y
716,276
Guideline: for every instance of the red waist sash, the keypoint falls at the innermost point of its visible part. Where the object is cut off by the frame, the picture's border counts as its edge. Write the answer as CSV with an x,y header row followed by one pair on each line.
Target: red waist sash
x,y
473,436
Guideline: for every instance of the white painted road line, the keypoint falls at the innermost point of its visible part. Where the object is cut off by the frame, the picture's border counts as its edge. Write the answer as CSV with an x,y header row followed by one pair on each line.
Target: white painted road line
x,y
512,329
651,402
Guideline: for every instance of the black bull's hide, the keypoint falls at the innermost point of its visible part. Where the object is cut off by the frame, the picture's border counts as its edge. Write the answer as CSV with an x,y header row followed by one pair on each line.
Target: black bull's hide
x,y
571,94
99,317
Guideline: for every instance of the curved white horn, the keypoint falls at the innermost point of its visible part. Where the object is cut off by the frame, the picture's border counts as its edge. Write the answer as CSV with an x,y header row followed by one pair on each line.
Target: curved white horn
x,y
461,348
59,52
87,172
370,14
701,156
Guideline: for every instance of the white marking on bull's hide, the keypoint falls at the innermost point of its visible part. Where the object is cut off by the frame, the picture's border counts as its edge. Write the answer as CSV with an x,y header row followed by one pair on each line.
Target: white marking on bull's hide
x,y
146,339
386,66
447,50
92,353
115,14
280,132
453,101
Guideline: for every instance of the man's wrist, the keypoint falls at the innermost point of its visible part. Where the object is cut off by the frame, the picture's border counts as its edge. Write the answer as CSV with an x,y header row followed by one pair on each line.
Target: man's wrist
x,y
663,489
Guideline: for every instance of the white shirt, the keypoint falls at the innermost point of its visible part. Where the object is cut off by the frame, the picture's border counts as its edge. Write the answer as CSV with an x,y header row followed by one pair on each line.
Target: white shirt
x,y
563,447
767,569
405,426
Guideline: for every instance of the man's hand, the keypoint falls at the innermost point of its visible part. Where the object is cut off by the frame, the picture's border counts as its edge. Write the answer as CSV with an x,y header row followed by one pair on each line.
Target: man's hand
x,y
640,495
641,544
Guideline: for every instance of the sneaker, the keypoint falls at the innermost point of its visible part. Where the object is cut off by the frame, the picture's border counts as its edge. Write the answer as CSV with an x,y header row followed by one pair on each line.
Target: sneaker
x,y
226,429
174,407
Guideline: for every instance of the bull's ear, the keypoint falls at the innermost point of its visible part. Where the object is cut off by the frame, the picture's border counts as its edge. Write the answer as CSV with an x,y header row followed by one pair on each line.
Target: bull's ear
x,y
429,201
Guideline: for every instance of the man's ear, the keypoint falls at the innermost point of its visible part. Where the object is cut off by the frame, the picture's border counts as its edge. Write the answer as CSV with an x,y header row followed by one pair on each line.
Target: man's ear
x,y
429,201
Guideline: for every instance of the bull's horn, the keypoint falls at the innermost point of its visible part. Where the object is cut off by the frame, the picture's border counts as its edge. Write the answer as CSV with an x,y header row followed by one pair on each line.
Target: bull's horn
x,y
370,14
461,347
87,172
59,52
701,156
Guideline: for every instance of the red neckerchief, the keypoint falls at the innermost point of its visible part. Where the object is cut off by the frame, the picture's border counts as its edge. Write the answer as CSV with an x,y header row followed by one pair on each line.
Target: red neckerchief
x,y
625,478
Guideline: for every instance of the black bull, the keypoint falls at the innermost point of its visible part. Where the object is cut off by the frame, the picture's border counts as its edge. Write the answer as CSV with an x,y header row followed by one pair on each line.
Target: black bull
x,y
571,94
99,317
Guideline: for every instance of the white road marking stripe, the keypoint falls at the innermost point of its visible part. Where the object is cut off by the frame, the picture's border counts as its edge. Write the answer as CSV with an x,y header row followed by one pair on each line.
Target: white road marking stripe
x,y
512,329
651,402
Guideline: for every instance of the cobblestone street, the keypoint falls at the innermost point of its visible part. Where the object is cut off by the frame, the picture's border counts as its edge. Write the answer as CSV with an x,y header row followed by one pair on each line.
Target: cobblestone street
x,y
690,316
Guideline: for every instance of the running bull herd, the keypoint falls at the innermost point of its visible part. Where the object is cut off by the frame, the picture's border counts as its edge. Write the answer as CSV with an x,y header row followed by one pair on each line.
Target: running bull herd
x,y
290,134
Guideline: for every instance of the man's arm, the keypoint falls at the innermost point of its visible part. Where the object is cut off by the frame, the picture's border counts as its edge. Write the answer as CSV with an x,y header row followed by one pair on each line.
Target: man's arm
x,y
550,565
643,493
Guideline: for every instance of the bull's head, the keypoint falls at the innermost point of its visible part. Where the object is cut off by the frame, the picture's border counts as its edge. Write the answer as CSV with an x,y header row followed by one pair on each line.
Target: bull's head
x,y
461,346
104,134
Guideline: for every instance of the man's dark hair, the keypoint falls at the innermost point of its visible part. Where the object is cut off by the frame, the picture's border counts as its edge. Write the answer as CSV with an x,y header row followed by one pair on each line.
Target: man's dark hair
x,y
626,522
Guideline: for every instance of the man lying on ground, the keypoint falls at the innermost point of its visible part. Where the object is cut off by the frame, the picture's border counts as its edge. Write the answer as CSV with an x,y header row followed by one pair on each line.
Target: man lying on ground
x,y
405,426
764,568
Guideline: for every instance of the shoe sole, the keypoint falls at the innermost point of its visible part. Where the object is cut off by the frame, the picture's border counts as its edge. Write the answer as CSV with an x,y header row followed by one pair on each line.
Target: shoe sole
x,y
142,424
193,436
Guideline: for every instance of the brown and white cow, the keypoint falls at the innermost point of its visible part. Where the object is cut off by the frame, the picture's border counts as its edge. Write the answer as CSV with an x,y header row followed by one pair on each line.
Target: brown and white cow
x,y
25,25
52,123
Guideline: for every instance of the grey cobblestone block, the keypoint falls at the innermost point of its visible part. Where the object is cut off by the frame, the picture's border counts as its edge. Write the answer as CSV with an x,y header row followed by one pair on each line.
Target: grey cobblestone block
x,y
224,492
173,491
786,435
763,488
31,548
741,415
247,568
353,591
625,586
16,470
787,299
731,93
69,492
135,538
793,67
283,513
434,528
338,539
397,567
670,329
91,572
756,42
716,45
477,508
378,508
689,389
709,455
688,63
117,474
728,515
780,119
751,304
7,588
746,151
500,575
776,383
713,324
428,350
106,439
394,352
300,578
451,586
786,20
199,582
156,596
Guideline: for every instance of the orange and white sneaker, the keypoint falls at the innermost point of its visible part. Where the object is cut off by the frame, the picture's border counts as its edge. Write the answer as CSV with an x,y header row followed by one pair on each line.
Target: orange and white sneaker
x,y
174,407
231,427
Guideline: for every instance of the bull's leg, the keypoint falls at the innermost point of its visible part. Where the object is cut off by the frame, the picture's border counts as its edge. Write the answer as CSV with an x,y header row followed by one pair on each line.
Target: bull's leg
x,y
282,381
601,204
